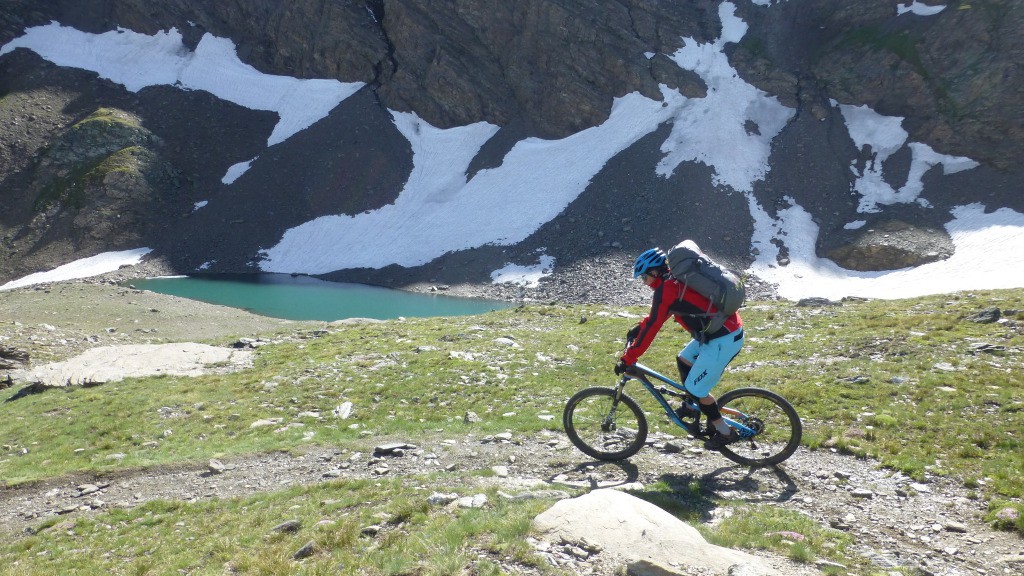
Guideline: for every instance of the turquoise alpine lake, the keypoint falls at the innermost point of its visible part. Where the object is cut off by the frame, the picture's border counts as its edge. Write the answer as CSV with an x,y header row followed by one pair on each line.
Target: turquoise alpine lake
x,y
306,298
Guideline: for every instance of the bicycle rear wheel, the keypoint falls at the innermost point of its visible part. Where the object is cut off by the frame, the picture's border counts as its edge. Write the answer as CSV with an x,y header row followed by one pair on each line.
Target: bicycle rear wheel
x,y
774,419
603,427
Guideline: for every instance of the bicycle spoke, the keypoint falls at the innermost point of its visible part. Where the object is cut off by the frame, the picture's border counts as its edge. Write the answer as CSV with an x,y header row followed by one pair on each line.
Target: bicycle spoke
x,y
775,423
597,430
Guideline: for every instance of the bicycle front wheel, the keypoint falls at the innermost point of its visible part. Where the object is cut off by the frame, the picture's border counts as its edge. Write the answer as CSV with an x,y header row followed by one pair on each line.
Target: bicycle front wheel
x,y
775,421
605,427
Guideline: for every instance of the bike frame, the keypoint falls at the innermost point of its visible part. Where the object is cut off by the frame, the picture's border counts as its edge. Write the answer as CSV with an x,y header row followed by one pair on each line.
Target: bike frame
x,y
642,377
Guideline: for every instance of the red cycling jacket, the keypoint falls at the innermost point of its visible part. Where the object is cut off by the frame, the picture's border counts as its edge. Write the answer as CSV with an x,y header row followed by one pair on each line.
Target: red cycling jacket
x,y
673,298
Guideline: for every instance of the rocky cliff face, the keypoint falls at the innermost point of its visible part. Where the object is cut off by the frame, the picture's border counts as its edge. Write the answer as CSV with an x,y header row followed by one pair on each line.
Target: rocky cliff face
x,y
543,68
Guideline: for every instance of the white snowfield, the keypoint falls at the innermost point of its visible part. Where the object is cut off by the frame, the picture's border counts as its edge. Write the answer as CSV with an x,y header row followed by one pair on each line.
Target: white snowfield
x,y
441,210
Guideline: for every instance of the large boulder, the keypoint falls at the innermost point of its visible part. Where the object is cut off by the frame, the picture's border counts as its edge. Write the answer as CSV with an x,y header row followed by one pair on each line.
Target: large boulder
x,y
640,533
891,245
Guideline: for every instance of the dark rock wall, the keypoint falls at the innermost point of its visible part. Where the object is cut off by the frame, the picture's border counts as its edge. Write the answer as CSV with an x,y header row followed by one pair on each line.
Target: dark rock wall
x,y
546,68
956,77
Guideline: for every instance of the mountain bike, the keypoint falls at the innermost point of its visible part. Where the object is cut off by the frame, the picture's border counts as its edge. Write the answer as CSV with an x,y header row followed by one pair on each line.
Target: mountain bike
x,y
607,424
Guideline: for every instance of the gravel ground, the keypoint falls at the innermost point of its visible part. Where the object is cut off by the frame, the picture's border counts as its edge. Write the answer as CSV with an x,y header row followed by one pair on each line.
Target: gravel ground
x,y
924,528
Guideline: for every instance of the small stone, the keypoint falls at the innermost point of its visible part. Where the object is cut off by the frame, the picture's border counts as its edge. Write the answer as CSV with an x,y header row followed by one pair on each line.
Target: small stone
x,y
393,449
342,411
306,551
86,489
265,423
958,527
478,501
288,527
673,448
578,552
862,493
439,499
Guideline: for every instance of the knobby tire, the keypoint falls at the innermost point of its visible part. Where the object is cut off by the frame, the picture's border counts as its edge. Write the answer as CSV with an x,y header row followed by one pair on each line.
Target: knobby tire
x,y
590,425
780,426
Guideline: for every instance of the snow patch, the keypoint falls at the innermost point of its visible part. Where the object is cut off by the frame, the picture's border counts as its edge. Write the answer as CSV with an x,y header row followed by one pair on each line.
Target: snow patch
x,y
137,60
84,268
919,8
528,276
883,136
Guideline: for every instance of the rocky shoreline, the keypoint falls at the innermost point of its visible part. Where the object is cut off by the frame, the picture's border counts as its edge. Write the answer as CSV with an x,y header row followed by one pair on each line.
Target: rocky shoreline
x,y
595,281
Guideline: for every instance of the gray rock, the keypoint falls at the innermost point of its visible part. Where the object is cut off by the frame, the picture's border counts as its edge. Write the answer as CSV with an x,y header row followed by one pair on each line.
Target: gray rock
x,y
216,466
288,526
306,551
393,449
958,527
638,531
986,316
438,499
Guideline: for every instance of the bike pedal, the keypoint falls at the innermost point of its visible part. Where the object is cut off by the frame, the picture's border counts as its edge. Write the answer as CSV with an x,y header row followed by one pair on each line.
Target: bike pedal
x,y
693,428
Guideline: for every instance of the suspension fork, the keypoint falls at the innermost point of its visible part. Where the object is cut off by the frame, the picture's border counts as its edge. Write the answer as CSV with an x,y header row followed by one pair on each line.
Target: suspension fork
x,y
619,392
620,388
608,424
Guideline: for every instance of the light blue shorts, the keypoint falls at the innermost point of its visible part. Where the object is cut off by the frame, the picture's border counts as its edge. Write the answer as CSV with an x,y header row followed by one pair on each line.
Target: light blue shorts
x,y
709,361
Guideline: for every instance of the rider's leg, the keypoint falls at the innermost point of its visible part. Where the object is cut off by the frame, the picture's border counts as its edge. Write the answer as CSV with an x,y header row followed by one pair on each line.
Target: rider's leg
x,y
684,365
709,406
707,363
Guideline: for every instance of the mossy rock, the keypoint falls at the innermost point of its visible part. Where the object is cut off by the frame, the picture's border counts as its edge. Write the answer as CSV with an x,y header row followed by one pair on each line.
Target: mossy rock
x,y
107,142
109,117
72,191
131,160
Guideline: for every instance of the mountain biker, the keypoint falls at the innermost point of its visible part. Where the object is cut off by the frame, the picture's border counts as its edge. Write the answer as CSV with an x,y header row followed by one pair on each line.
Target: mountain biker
x,y
703,360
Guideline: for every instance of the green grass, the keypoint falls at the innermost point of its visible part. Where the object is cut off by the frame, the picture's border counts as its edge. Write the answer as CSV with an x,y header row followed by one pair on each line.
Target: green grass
x,y
104,118
789,532
238,536
906,382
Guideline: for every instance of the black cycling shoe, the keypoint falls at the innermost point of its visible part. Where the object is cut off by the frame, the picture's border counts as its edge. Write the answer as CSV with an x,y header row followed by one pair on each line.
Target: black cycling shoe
x,y
686,411
719,440
693,428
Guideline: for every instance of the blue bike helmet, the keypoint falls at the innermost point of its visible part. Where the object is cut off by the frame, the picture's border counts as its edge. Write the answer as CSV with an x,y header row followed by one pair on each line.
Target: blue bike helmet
x,y
652,258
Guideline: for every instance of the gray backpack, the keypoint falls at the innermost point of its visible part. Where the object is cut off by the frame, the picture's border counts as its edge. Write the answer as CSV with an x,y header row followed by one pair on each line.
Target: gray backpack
x,y
724,288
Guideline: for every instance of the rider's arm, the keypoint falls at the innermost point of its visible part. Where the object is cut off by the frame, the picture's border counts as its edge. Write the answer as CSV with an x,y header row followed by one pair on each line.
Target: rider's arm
x,y
649,326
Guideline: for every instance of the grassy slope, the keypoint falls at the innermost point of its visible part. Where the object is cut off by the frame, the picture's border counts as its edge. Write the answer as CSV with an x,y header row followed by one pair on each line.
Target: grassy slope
x,y
907,382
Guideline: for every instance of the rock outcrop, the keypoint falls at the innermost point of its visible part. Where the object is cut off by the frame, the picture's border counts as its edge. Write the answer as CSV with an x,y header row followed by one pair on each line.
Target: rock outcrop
x,y
891,245
641,534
